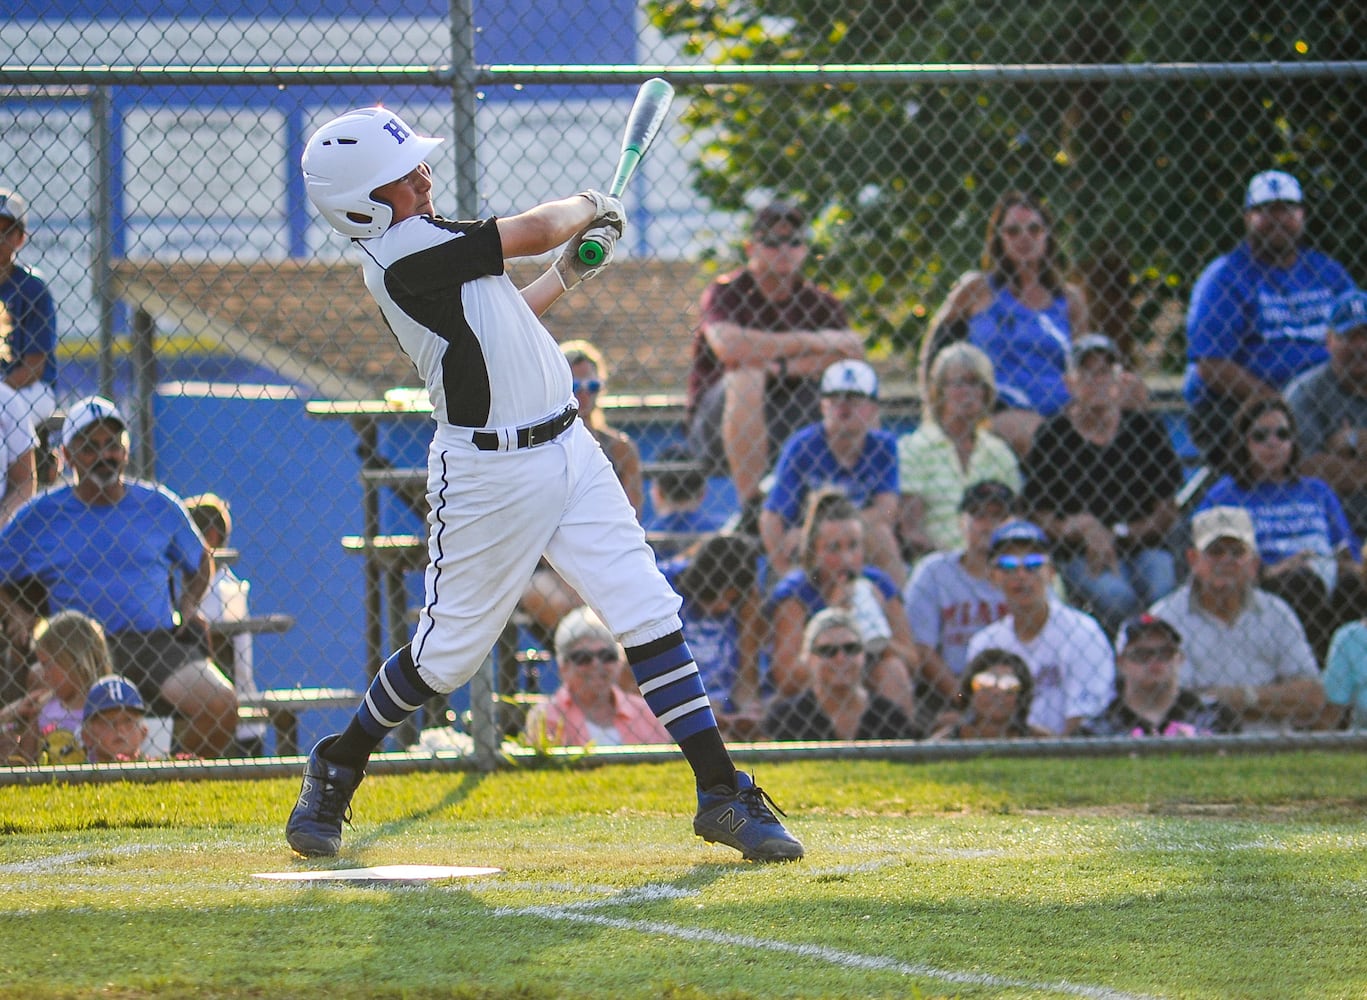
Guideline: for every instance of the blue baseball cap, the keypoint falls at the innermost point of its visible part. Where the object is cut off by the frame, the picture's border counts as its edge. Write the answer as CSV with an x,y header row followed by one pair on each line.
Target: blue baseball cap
x,y
1350,311
112,692
1019,533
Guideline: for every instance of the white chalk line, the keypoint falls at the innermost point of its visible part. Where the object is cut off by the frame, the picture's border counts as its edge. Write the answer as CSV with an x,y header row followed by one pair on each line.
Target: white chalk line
x,y
576,913
53,864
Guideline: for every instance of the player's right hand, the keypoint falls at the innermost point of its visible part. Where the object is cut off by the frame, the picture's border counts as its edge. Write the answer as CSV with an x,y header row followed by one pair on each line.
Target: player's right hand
x,y
570,269
607,211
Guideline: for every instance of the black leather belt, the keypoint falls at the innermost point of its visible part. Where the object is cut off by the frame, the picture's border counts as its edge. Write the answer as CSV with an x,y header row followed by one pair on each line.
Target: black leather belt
x,y
527,437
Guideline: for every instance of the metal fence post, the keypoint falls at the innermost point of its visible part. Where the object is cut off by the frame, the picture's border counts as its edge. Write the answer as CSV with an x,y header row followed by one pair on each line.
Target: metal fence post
x,y
484,729
144,459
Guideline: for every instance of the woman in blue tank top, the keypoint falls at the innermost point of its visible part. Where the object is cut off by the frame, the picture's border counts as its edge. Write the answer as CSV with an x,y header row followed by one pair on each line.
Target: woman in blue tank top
x,y
1019,310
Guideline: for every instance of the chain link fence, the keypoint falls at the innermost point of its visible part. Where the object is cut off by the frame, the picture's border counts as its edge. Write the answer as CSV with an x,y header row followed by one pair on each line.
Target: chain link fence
x,y
953,193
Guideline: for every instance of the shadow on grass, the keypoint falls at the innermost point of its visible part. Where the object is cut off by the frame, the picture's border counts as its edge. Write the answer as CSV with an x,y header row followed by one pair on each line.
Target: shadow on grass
x,y
378,832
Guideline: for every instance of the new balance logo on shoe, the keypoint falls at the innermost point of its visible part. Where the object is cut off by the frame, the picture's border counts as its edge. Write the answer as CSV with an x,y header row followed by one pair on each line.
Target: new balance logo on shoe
x,y
730,820
740,817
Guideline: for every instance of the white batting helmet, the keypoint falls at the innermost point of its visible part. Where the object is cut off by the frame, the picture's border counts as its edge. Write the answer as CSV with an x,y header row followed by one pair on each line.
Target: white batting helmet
x,y
350,157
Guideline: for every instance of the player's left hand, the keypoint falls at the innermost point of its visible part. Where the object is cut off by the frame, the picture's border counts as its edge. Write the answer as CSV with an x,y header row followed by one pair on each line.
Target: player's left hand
x,y
571,270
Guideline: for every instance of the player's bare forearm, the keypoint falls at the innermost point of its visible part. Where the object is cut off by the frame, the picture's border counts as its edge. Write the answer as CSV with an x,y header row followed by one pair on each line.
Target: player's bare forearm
x,y
542,292
543,228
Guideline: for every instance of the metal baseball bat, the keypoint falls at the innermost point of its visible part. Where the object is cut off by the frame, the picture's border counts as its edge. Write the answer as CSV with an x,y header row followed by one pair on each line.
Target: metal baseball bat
x,y
647,116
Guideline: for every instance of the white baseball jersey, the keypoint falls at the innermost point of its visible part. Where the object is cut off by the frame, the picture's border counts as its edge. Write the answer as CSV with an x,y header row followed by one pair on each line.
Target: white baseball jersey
x,y
481,351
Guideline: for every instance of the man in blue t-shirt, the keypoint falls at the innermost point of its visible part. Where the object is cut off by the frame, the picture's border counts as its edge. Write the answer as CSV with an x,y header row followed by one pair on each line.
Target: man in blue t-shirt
x,y
109,547
847,450
1258,314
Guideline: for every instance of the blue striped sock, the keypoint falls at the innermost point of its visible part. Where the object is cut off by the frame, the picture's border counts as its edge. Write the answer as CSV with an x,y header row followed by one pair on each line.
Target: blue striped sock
x,y
669,680
396,693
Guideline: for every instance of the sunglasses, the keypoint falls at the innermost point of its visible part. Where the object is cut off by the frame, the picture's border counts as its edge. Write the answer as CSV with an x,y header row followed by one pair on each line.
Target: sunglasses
x,y
1149,654
583,657
1261,435
845,397
774,242
1032,563
1033,228
828,650
592,385
1002,682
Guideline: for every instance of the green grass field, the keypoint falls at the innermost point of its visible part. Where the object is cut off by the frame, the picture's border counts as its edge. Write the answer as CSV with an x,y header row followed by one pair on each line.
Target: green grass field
x,y
1192,877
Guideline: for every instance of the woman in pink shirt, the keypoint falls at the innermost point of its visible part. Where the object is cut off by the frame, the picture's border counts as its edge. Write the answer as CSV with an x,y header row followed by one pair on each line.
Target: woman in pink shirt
x,y
591,708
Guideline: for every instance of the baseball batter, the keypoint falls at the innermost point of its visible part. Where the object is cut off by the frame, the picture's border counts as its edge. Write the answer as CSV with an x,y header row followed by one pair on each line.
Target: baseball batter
x,y
511,472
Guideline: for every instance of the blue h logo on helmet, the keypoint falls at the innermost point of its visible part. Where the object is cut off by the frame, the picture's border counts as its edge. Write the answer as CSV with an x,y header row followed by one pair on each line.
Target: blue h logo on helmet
x,y
395,128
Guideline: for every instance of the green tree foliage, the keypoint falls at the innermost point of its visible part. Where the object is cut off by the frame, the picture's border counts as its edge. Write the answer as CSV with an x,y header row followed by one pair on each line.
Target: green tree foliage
x,y
1144,177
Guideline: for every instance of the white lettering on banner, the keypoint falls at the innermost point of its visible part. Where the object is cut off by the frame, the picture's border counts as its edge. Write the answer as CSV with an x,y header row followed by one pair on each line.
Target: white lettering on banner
x,y
1302,315
1291,527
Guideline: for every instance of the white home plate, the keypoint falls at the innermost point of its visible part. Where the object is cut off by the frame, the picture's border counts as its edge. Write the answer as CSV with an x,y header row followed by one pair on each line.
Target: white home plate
x,y
380,873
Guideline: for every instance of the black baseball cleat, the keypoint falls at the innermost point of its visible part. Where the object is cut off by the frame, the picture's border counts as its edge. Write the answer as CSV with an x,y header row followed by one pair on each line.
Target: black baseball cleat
x,y
741,818
315,824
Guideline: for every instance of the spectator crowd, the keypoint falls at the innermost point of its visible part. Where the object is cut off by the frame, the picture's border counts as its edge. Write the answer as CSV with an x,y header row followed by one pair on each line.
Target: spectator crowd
x,y
1034,557
1026,562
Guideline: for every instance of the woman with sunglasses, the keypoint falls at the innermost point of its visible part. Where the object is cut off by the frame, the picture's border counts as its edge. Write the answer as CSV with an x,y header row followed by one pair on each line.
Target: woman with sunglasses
x,y
1309,553
590,708
836,705
996,691
1020,311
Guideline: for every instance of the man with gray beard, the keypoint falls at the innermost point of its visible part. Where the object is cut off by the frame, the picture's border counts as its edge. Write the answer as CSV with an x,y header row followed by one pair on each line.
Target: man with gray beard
x,y
106,547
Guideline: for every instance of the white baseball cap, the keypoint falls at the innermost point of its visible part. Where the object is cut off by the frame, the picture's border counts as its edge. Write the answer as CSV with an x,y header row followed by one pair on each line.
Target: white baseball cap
x,y
85,412
1272,185
1214,523
857,377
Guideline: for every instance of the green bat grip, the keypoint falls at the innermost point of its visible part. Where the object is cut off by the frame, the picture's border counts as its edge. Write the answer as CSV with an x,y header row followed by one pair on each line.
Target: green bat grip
x,y
591,252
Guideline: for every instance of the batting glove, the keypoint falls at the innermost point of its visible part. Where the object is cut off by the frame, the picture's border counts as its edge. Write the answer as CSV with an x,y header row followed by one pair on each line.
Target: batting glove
x,y
607,210
571,270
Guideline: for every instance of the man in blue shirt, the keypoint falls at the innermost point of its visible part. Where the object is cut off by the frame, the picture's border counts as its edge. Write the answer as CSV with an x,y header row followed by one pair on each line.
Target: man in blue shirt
x,y
1258,314
108,547
847,450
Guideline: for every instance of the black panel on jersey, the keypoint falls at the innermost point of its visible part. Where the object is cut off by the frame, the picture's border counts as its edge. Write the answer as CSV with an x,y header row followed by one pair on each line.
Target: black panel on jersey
x,y
426,285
